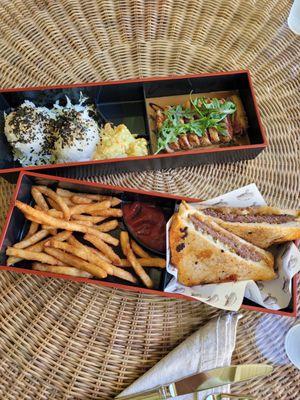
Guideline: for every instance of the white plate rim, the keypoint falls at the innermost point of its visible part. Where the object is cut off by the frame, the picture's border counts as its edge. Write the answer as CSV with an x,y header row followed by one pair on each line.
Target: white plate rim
x,y
289,354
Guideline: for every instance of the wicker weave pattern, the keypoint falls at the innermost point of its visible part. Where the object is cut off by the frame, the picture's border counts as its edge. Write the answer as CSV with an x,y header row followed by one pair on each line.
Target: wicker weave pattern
x,y
69,341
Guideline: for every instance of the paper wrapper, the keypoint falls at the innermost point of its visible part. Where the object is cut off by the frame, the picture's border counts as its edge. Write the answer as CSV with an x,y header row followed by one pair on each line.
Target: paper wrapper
x,y
273,295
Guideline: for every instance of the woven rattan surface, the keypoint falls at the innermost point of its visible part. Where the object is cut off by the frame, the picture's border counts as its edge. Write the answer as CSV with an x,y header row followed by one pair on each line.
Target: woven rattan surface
x,y
62,340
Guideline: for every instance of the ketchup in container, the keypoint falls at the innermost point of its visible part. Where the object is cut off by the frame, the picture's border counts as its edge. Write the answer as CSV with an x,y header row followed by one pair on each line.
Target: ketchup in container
x,y
147,223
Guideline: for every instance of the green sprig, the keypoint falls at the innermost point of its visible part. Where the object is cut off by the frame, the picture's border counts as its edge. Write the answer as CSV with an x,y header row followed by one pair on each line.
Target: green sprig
x,y
205,113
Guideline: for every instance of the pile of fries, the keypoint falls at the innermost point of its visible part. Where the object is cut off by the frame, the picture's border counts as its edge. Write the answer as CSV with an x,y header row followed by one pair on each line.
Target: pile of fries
x,y
51,245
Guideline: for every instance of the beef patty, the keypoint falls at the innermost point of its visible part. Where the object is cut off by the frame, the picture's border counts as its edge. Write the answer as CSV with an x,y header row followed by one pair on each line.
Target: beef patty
x,y
241,249
249,218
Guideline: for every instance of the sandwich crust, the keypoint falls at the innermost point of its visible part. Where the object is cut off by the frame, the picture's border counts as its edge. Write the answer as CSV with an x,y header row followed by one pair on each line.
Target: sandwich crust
x,y
260,234
201,259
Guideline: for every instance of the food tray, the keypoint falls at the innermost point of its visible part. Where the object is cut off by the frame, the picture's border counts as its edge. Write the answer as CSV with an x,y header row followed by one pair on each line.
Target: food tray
x,y
126,102
14,231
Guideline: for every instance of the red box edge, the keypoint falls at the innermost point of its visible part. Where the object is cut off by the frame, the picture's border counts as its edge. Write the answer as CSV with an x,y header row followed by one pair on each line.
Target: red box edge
x,y
123,81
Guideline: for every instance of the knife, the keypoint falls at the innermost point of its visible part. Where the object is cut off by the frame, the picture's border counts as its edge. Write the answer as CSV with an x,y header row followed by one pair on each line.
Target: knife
x,y
203,381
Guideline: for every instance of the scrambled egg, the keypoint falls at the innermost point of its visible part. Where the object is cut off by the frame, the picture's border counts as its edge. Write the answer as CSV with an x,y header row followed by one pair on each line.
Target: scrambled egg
x,y
119,142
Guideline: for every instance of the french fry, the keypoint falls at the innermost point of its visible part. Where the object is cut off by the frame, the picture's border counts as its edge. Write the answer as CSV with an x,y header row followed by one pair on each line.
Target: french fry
x,y
87,223
81,200
83,253
153,262
58,200
76,262
54,205
72,240
64,193
40,222
38,247
58,214
98,252
115,201
124,239
38,236
12,260
39,198
104,248
34,226
120,273
106,237
107,226
138,250
31,255
49,228
42,207
68,201
88,208
146,262
57,269
68,194
46,219
29,217
55,213
94,220
96,197
89,198
45,227
61,236
110,212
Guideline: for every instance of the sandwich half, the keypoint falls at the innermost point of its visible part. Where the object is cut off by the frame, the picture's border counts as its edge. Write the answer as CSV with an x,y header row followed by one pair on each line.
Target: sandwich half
x,y
204,252
262,226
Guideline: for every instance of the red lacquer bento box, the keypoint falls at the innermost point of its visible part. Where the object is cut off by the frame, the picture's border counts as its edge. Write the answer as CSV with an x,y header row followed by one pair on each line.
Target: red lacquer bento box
x,y
16,227
129,102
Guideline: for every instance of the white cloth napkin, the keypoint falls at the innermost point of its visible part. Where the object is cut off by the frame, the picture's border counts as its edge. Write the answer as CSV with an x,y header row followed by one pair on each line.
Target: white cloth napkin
x,y
210,347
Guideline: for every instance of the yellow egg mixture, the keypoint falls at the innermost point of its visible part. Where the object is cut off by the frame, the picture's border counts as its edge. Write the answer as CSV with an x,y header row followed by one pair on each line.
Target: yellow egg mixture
x,y
119,142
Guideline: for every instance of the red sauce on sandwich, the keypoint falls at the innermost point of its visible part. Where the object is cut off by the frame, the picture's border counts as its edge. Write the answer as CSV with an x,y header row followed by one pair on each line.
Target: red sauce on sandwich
x,y
147,223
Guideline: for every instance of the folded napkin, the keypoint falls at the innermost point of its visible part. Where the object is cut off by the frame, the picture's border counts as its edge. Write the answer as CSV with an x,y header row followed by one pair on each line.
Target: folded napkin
x,y
210,347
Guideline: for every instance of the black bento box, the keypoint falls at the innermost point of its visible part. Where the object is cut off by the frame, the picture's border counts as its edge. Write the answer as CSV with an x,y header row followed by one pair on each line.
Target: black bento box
x,y
16,227
126,102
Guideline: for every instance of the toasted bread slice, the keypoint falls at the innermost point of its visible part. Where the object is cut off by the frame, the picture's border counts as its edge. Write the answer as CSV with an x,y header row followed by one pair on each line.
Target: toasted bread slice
x,y
203,252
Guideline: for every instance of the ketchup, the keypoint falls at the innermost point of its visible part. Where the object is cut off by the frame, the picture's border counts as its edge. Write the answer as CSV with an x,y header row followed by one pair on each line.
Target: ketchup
x,y
147,223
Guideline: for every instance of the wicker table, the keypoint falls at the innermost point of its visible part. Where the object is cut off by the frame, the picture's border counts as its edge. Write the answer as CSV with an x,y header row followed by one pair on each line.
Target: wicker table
x,y
62,340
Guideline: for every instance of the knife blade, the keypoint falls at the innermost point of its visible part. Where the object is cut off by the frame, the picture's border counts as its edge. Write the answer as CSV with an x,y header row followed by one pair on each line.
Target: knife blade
x,y
203,381
220,376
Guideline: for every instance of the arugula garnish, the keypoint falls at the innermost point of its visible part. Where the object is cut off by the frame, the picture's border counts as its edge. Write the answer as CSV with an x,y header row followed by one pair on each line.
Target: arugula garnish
x,y
204,113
